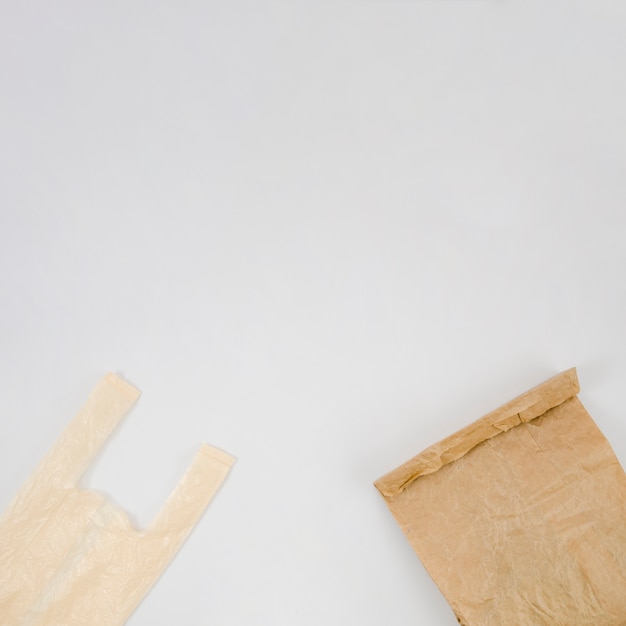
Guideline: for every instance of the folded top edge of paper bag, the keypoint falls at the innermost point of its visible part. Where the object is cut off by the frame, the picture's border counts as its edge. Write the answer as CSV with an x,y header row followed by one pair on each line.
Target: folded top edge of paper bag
x,y
522,409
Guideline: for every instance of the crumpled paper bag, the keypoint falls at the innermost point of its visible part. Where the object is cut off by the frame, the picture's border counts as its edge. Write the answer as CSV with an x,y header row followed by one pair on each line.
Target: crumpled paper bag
x,y
520,518
68,557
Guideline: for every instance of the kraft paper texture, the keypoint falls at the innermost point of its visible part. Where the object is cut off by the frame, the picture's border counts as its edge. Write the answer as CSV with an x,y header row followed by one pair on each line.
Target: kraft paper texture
x,y
520,518
68,557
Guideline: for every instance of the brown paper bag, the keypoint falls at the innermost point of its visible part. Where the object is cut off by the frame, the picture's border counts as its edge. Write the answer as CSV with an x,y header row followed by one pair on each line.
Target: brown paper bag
x,y
520,518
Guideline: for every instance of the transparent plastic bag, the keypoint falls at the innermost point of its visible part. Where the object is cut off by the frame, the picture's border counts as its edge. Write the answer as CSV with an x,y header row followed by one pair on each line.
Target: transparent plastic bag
x,y
68,557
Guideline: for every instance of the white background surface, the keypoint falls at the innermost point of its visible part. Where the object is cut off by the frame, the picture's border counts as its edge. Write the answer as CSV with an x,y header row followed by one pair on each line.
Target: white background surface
x,y
320,236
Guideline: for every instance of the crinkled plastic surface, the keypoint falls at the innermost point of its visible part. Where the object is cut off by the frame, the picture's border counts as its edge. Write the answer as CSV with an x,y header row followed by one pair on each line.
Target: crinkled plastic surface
x,y
520,518
68,557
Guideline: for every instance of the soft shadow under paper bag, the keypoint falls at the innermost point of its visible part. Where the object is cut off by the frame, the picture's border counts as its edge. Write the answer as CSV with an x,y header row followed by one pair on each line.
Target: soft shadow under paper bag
x,y
520,517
